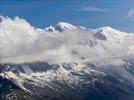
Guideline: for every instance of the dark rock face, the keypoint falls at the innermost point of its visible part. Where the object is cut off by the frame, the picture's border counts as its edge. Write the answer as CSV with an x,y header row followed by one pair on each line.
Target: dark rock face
x,y
36,66
6,87
100,35
9,91
108,87
100,91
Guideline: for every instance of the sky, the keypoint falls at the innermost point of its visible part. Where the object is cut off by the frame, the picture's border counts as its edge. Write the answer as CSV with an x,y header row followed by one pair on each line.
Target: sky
x,y
118,14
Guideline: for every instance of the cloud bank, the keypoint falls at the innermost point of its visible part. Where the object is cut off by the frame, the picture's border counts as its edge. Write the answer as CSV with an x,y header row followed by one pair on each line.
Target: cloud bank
x,y
20,42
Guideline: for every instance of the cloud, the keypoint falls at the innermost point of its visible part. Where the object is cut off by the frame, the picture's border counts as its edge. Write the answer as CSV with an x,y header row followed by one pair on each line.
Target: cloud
x,y
130,13
21,42
93,9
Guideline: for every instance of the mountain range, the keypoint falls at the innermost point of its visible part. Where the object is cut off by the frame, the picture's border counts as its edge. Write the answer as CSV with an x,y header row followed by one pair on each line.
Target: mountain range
x,y
65,62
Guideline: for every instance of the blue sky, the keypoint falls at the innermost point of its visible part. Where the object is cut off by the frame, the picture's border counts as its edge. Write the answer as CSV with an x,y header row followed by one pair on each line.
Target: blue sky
x,y
118,14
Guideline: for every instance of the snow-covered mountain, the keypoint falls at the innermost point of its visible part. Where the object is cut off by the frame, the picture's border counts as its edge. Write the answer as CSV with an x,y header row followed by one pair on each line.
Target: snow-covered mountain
x,y
63,39
65,60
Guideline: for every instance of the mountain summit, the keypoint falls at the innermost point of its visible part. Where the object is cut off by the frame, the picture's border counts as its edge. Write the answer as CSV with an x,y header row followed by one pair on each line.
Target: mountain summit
x,y
61,26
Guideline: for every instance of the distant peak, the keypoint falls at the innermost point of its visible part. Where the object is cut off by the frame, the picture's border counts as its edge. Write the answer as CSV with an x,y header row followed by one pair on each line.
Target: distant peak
x,y
111,30
61,26
50,29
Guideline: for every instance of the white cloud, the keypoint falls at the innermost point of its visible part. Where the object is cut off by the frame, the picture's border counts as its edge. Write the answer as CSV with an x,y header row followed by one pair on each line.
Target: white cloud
x,y
20,42
93,9
130,13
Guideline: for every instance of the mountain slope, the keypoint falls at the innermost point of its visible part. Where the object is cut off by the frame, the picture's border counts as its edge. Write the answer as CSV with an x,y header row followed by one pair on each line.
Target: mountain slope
x,y
67,61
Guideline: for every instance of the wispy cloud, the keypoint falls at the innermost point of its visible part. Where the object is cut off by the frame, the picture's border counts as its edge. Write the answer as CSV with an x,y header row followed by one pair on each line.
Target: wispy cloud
x,y
93,9
130,13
